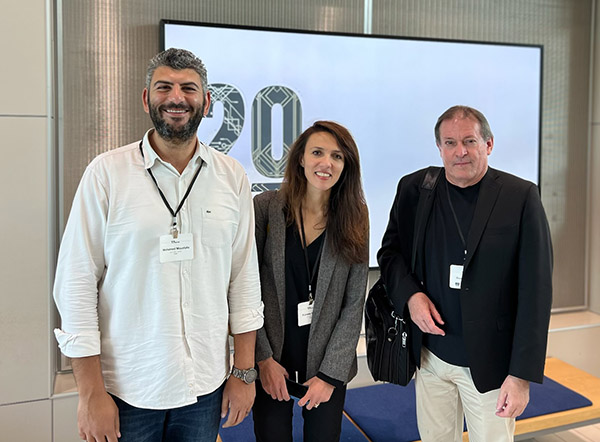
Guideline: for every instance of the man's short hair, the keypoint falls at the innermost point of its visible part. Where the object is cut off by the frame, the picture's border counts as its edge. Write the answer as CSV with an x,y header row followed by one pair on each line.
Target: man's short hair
x,y
177,59
464,112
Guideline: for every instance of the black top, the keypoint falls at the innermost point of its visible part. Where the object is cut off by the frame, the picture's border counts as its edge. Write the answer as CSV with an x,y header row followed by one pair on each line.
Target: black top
x,y
443,247
295,343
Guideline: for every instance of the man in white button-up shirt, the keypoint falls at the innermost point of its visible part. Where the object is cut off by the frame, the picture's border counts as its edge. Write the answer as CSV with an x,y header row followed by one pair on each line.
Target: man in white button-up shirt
x,y
156,268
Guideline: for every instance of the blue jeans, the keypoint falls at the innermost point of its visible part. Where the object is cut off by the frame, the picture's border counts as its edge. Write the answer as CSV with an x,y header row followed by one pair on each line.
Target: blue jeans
x,y
197,422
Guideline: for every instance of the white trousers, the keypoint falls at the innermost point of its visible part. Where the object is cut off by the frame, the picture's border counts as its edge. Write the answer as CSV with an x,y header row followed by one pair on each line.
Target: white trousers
x,y
444,392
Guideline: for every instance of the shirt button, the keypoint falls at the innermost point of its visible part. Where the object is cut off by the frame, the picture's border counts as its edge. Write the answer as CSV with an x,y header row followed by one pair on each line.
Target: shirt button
x,y
190,385
185,304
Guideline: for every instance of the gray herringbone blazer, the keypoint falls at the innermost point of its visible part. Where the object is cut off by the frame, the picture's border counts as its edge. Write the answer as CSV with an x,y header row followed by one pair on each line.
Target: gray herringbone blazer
x,y
339,299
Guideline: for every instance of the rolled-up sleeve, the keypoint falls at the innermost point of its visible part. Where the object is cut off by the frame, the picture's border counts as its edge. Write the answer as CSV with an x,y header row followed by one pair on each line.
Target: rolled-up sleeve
x,y
78,345
79,268
245,304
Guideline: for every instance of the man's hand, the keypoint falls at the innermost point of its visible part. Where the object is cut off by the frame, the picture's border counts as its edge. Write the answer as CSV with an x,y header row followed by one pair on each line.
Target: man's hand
x,y
272,378
424,314
98,418
97,413
513,397
238,398
319,391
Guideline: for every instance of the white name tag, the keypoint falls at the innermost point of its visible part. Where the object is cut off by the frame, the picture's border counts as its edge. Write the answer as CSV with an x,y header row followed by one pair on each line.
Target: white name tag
x,y
305,311
456,272
176,249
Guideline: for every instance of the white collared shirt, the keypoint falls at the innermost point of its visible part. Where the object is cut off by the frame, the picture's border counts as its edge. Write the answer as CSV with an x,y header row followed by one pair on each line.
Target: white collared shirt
x,y
161,329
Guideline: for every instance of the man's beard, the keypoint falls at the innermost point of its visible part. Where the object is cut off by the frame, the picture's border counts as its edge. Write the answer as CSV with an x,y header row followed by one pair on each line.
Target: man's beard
x,y
176,135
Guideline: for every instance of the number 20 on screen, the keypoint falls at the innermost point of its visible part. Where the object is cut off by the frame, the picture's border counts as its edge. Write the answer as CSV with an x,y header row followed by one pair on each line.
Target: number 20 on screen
x,y
261,125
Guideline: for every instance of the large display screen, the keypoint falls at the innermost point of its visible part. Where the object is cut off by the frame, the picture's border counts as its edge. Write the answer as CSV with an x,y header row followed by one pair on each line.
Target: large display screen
x,y
268,85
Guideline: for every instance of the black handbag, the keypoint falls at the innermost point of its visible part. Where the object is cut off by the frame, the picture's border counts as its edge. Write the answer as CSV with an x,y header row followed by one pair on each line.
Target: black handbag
x,y
387,335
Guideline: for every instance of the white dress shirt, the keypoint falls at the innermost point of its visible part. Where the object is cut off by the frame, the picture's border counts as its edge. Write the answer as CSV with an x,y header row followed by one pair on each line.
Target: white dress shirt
x,y
161,329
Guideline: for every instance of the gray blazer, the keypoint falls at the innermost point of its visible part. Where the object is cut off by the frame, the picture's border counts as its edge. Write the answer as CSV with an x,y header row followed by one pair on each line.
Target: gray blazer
x,y
339,299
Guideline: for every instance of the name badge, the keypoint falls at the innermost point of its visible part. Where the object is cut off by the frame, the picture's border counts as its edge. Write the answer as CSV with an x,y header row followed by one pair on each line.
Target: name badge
x,y
176,249
456,273
305,311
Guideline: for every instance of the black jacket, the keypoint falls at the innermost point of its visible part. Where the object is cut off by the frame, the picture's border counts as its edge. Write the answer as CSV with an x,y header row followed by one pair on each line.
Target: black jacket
x,y
506,292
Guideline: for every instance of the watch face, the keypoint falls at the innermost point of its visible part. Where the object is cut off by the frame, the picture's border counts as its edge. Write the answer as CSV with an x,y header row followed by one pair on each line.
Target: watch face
x,y
250,376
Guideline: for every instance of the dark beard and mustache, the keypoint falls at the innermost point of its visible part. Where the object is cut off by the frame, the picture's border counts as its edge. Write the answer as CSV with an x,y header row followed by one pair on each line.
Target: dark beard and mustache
x,y
176,135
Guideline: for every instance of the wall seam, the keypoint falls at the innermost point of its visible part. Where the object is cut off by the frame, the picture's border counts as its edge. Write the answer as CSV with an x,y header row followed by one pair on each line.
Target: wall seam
x,y
589,167
22,116
51,192
31,401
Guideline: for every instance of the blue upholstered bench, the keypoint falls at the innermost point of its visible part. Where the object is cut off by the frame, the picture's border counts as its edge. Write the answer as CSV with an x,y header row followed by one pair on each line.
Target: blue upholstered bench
x,y
386,412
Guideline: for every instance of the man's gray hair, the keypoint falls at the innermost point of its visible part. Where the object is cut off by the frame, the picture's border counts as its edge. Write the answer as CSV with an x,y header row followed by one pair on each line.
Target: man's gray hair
x,y
464,112
177,59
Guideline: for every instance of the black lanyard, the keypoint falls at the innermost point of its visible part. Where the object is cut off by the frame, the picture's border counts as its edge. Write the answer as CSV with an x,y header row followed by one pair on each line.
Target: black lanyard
x,y
462,238
311,275
174,230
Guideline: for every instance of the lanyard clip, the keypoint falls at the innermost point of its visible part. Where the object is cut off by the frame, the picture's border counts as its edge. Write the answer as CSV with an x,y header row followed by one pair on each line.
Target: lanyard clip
x,y
174,230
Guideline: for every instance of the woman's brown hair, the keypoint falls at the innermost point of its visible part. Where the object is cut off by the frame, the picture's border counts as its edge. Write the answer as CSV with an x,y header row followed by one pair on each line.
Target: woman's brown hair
x,y
347,214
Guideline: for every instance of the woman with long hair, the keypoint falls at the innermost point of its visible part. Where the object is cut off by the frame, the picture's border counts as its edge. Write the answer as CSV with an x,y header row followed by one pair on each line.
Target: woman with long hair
x,y
312,240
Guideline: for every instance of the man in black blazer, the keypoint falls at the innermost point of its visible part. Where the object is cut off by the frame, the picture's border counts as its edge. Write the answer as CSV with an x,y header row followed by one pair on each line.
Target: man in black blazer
x,y
469,251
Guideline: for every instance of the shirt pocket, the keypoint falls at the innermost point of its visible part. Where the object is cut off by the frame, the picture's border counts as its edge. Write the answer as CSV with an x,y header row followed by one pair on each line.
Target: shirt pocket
x,y
218,226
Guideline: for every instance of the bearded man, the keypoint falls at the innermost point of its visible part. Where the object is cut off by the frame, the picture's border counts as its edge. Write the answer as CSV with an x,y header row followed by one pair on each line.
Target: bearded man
x,y
157,267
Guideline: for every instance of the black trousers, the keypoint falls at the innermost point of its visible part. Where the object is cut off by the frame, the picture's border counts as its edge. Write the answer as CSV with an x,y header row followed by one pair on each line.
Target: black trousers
x,y
273,418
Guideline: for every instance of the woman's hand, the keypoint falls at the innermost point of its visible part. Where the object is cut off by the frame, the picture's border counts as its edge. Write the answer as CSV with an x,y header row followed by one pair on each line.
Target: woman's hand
x,y
319,391
272,378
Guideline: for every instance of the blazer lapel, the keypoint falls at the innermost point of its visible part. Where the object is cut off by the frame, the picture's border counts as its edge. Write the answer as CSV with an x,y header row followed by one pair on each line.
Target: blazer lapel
x,y
488,194
277,227
326,267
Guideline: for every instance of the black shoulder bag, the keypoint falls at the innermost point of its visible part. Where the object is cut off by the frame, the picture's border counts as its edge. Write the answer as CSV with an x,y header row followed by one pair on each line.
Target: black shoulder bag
x,y
387,332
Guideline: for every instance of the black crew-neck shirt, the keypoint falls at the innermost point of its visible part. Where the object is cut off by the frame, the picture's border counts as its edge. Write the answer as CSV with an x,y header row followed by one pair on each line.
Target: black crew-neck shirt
x,y
295,343
443,247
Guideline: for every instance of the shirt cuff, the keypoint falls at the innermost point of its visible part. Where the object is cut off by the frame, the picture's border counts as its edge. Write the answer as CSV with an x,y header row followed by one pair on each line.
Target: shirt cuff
x,y
78,345
246,320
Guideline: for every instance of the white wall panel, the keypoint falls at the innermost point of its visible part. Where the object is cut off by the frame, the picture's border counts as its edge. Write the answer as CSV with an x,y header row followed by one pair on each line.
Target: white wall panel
x,y
28,422
64,418
24,301
23,49
576,347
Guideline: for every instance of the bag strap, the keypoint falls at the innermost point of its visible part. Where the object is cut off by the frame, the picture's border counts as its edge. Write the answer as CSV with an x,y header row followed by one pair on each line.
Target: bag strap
x,y
425,191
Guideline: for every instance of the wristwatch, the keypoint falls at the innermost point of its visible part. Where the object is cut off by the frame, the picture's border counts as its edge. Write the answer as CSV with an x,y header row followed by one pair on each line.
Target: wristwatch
x,y
248,376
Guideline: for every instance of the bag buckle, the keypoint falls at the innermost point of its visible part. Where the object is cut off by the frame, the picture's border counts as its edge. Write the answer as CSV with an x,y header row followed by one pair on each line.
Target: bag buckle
x,y
393,331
